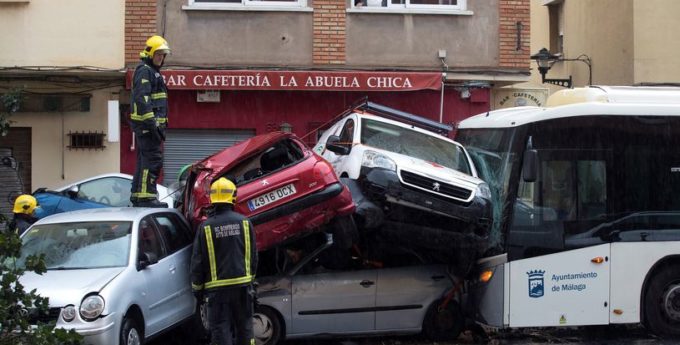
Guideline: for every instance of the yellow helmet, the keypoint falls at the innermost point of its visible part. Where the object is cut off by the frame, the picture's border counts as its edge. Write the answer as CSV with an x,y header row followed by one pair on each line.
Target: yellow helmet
x,y
155,44
25,203
222,191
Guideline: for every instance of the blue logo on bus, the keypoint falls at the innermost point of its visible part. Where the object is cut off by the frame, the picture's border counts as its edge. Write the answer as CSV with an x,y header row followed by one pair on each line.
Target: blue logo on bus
x,y
536,285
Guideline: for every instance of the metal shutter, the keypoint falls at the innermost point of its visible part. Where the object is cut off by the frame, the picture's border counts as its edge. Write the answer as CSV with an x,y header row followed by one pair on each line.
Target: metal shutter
x,y
185,146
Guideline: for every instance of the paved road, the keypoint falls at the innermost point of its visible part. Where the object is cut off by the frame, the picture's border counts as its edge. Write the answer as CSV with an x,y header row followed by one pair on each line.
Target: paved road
x,y
594,335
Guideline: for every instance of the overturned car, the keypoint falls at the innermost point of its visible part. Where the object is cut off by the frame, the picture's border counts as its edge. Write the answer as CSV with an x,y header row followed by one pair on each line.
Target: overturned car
x,y
285,189
408,179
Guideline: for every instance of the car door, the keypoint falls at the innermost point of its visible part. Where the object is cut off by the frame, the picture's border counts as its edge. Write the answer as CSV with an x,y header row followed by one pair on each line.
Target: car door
x,y
177,243
334,302
346,134
404,294
158,298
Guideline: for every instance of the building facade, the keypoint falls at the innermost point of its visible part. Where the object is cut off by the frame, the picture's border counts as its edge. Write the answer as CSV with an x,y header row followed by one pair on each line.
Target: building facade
x,y
66,59
629,42
243,67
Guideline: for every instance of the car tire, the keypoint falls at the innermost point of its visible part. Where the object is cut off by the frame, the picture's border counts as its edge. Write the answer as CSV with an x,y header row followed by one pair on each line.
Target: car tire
x,y
130,332
662,303
443,324
267,327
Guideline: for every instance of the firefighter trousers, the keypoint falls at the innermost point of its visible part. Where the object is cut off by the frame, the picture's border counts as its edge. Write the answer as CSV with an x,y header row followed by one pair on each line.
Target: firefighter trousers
x,y
149,164
230,315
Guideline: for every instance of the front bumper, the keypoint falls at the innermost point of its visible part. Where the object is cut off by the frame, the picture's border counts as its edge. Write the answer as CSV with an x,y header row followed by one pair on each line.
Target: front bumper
x,y
102,331
381,187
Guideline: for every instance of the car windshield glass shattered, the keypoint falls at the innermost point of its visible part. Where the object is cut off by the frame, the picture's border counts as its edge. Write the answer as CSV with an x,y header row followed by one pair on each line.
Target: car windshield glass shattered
x,y
82,245
411,143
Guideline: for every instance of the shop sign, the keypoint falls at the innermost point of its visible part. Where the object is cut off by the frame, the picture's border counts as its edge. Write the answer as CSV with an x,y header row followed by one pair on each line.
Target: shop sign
x,y
507,98
298,80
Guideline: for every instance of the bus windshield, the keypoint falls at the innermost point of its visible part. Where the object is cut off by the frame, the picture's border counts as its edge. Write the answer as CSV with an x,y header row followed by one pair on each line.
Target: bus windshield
x,y
495,158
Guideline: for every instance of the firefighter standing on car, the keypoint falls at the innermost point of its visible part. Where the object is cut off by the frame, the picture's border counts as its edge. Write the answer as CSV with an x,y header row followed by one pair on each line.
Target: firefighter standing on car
x,y
149,118
223,266
24,208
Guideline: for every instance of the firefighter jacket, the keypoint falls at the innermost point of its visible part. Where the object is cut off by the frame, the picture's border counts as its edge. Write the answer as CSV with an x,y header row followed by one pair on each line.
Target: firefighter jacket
x,y
149,104
224,253
21,222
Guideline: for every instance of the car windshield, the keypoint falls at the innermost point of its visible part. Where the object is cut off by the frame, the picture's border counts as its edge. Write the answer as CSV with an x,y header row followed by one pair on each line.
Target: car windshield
x,y
415,144
82,245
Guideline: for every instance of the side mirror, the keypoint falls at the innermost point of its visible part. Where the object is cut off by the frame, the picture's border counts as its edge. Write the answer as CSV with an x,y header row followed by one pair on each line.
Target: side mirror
x,y
73,191
530,166
333,145
146,259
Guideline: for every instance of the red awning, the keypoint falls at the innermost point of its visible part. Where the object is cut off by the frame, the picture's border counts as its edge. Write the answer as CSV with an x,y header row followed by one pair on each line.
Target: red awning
x,y
298,80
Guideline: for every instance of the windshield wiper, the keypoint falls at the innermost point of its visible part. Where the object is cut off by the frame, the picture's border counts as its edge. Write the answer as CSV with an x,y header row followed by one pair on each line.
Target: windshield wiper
x,y
62,268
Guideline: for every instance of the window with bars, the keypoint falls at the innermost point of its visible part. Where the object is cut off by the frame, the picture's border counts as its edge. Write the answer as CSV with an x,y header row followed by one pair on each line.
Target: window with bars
x,y
86,140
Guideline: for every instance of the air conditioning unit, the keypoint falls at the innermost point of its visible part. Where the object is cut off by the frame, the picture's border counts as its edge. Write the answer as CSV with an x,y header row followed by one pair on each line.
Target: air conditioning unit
x,y
208,96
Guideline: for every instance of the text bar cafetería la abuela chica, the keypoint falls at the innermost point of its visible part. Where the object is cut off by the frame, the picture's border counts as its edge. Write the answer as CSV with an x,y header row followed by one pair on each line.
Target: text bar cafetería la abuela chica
x,y
298,80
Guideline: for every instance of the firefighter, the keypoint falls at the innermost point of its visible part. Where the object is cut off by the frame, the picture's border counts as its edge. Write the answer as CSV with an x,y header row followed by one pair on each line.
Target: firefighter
x,y
24,208
149,118
223,266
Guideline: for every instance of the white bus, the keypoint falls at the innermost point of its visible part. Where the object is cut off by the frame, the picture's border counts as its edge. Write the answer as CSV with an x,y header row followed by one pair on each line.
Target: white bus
x,y
586,196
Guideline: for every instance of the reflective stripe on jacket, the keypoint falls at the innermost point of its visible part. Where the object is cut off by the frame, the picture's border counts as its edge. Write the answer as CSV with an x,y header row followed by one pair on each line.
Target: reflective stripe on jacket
x,y
149,103
224,253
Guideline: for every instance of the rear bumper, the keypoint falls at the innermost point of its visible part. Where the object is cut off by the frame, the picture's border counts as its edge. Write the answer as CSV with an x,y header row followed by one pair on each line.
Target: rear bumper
x,y
300,204
300,216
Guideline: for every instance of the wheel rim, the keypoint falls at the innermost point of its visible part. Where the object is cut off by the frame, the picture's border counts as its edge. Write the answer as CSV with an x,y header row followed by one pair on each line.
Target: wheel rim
x,y
671,302
133,337
263,329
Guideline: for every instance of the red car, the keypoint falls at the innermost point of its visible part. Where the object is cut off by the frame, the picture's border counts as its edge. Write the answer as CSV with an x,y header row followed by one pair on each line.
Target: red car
x,y
285,189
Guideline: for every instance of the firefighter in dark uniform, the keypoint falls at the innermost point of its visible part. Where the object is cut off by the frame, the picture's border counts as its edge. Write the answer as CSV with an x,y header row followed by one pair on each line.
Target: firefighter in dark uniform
x,y
24,208
148,119
223,266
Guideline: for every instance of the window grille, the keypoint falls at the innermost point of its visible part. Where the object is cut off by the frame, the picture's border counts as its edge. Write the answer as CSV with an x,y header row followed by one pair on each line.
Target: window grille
x,y
86,140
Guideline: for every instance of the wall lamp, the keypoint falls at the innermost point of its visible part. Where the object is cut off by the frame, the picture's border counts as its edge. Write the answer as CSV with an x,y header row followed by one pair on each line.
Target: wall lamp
x,y
545,60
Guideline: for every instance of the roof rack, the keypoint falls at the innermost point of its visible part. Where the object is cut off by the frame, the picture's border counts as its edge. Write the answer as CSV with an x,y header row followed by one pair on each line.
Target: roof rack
x,y
402,116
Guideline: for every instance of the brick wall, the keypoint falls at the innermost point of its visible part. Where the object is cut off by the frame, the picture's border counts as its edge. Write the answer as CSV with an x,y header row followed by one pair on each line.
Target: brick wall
x,y
140,23
511,12
329,32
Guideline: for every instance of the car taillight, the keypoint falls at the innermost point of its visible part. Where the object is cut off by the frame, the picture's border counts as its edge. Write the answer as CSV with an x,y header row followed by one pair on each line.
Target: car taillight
x,y
323,171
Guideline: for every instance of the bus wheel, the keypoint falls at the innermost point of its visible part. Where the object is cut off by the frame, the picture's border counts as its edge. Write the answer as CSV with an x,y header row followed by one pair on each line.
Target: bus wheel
x,y
662,303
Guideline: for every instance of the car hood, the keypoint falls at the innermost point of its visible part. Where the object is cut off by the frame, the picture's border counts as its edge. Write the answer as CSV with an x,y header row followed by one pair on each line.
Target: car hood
x,y
431,169
235,154
64,287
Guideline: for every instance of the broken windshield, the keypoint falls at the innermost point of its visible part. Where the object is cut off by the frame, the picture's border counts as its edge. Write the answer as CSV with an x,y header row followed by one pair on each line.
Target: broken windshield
x,y
82,245
415,144
492,153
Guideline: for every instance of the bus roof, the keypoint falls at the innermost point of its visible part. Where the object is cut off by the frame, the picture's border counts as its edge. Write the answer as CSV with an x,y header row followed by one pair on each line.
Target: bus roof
x,y
588,101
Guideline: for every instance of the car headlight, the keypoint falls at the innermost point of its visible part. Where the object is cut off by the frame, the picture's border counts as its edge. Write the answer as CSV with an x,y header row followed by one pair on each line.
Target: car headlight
x,y
91,307
372,159
68,313
483,191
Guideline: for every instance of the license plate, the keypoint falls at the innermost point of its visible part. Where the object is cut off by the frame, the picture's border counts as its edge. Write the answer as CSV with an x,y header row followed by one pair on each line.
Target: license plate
x,y
268,198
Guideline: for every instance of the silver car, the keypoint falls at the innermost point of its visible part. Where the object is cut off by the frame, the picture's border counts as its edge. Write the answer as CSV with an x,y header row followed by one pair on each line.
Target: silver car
x,y
115,275
310,300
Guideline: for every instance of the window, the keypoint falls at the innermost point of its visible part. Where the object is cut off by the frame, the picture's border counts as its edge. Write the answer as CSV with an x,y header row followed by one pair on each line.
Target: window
x,y
174,234
556,23
276,157
149,241
113,191
458,5
253,4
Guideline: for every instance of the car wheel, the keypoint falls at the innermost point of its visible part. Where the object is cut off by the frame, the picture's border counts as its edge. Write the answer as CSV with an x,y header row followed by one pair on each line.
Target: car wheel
x,y
266,326
442,324
662,303
131,333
